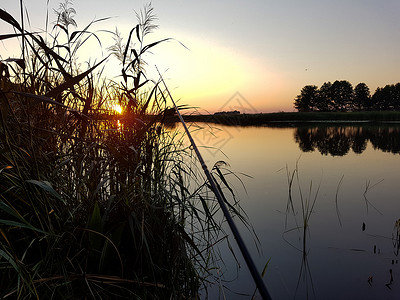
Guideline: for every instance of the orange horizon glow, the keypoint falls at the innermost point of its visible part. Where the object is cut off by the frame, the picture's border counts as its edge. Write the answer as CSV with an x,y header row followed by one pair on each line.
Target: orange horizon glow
x,y
268,65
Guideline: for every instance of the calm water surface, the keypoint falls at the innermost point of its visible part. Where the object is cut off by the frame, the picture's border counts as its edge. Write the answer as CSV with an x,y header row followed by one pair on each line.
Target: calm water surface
x,y
352,173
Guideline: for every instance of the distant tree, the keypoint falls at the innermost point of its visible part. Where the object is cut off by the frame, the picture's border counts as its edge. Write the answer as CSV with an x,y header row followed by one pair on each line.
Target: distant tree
x,y
362,97
383,97
307,98
342,95
377,98
396,97
324,100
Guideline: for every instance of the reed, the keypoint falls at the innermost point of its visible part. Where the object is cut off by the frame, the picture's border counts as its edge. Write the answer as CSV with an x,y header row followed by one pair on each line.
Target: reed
x,y
306,203
94,204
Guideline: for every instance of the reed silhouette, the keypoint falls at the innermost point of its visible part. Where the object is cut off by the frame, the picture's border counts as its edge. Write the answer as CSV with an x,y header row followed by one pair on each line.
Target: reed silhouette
x,y
94,203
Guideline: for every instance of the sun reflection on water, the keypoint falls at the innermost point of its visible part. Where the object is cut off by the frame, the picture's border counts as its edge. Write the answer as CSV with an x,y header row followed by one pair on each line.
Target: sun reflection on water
x,y
119,125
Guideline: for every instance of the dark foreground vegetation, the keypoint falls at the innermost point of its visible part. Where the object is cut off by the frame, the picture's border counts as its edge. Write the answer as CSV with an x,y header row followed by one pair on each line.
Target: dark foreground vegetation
x,y
294,118
88,208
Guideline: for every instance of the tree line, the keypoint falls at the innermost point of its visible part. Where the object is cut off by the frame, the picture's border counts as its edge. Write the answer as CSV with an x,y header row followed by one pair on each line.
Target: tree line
x,y
341,96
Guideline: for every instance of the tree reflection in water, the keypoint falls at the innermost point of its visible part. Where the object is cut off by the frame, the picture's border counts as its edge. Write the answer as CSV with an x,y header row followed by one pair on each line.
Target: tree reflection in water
x,y
338,140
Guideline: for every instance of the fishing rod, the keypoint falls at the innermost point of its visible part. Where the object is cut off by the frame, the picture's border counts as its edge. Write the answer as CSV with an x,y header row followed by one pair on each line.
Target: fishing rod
x,y
219,195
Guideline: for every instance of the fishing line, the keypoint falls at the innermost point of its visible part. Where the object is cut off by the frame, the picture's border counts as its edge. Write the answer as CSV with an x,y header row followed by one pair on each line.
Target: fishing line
x,y
219,195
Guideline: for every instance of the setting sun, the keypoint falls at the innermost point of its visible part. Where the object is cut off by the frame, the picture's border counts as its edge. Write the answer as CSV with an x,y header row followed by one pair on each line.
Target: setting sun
x,y
117,108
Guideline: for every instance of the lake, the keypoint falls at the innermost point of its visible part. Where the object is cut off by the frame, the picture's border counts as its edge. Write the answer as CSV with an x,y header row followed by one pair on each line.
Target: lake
x,y
345,192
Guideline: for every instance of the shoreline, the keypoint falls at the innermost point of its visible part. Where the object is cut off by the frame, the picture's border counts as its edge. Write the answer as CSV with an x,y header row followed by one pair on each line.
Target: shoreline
x,y
265,119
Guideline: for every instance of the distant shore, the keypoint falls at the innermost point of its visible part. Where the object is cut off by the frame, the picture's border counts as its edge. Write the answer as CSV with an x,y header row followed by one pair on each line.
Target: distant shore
x,y
296,117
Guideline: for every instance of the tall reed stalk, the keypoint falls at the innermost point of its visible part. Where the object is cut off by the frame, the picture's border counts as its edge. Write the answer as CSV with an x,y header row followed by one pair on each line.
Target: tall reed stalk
x,y
307,204
94,204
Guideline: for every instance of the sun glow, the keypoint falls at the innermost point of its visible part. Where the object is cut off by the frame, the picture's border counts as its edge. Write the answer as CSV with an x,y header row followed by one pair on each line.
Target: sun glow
x,y
117,108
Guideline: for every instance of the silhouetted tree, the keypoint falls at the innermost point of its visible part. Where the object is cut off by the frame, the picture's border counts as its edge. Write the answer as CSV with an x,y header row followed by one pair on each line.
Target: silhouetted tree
x,y
324,101
362,97
381,99
396,97
307,98
342,95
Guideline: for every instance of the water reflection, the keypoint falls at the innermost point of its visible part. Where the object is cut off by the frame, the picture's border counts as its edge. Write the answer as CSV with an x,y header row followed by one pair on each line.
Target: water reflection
x,y
300,201
343,247
339,140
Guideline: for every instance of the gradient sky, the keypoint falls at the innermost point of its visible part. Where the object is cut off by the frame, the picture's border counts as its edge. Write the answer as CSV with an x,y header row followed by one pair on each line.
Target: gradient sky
x,y
265,50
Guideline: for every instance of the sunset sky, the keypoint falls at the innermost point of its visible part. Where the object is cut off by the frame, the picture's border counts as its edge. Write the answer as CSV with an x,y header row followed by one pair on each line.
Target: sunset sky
x,y
264,50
